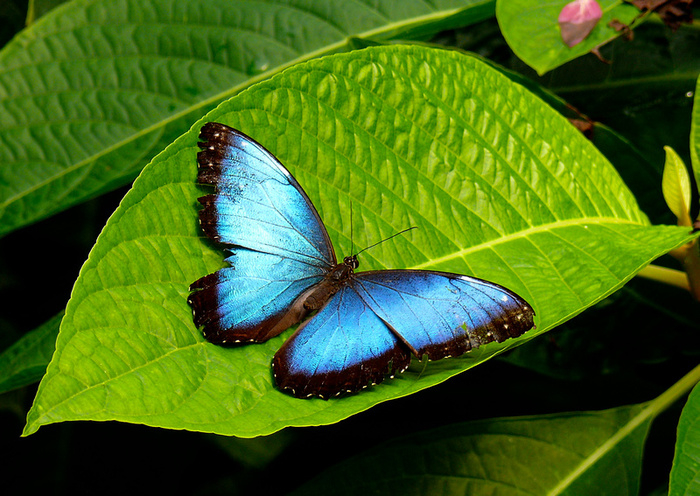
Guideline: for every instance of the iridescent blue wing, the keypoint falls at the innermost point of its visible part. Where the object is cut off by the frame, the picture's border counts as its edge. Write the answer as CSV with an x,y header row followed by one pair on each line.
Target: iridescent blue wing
x,y
254,300
440,314
373,325
258,204
343,348
279,246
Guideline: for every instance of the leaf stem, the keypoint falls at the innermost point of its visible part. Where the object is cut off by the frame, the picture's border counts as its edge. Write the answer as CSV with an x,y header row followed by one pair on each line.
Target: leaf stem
x,y
673,277
691,263
675,392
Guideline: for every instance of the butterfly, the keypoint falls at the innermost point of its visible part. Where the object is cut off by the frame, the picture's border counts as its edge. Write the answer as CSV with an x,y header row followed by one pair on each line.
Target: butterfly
x,y
282,268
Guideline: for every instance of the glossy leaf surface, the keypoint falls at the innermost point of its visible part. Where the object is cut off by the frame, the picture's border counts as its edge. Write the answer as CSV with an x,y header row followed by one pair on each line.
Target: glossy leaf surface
x,y
500,186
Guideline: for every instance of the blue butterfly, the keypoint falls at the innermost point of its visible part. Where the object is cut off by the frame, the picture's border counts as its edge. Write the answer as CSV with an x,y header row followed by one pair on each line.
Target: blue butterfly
x,y
283,268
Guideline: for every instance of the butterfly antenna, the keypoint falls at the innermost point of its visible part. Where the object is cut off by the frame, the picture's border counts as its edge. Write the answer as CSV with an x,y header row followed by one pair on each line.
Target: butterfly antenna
x,y
352,245
385,239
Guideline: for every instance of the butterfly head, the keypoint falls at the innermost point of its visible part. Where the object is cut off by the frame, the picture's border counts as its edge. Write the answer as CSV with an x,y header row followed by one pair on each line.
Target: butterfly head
x,y
351,262
343,271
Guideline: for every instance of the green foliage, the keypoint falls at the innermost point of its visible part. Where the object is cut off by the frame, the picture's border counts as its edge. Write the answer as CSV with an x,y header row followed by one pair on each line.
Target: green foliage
x,y
500,185
531,29
25,361
93,91
562,454
685,475
695,137
501,205
645,93
676,186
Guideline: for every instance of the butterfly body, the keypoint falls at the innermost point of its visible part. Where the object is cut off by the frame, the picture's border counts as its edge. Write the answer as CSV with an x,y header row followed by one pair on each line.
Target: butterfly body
x,y
336,278
283,268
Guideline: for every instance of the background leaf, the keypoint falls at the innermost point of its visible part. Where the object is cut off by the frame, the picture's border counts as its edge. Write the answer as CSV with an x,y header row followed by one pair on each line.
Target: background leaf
x,y
97,87
25,361
685,475
581,453
530,27
37,8
500,186
577,453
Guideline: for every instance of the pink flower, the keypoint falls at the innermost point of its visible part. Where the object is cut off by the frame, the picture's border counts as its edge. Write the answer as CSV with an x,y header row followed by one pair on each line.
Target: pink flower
x,y
577,19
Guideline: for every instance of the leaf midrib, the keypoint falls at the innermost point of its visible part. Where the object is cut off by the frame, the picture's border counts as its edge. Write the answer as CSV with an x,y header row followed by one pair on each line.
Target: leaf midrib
x,y
581,221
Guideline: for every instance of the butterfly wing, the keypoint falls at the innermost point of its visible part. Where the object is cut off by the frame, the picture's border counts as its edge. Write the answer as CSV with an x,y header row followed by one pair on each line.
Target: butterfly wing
x,y
258,204
280,247
371,327
254,300
440,314
343,348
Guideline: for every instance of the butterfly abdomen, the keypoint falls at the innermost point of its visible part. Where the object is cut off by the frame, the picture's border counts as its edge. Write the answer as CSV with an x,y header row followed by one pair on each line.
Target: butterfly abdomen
x,y
336,278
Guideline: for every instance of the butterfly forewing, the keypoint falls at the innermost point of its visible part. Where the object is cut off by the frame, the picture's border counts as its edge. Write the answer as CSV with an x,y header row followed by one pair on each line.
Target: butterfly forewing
x,y
279,245
440,314
258,204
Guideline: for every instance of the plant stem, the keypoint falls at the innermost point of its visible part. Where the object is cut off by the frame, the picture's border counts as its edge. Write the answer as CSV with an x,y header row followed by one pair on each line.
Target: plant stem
x,y
668,276
691,263
672,394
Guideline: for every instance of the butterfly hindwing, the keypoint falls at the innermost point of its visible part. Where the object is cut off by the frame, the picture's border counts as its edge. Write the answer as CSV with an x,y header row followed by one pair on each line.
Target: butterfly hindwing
x,y
343,348
370,328
279,245
253,300
440,314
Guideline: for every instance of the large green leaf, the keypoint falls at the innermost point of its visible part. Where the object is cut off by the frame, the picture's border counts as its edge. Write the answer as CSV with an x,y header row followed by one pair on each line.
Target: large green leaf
x,y
685,474
90,92
531,29
500,186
